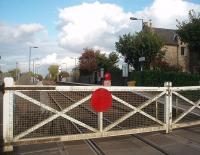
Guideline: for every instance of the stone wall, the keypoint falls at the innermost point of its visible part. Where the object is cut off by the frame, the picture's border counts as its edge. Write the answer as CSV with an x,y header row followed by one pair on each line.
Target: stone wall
x,y
174,57
170,54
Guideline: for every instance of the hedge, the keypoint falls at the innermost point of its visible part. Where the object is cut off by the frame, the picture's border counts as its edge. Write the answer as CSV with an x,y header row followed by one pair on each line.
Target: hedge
x,y
157,78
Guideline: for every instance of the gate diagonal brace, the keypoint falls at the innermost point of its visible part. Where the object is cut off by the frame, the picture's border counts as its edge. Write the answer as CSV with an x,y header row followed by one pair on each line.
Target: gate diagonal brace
x,y
195,105
56,115
135,110
186,99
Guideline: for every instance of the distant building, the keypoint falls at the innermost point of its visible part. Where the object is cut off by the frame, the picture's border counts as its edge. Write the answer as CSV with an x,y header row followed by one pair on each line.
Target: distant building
x,y
176,52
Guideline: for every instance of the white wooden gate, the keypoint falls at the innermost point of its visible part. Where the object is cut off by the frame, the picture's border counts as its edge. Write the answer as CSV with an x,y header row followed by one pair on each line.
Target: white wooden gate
x,y
40,114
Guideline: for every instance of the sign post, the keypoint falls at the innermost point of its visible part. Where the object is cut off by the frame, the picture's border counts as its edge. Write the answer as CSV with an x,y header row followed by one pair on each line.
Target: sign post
x,y
101,74
125,72
101,101
59,71
141,59
107,81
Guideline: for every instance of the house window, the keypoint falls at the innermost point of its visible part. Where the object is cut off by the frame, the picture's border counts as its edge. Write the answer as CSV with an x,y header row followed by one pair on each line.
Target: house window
x,y
183,51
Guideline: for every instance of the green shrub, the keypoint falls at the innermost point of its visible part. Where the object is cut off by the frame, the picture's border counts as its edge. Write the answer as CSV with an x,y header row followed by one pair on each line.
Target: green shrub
x,y
157,78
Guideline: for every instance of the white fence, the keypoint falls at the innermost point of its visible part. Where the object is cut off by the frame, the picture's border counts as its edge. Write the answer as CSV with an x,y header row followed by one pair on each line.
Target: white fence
x,y
41,114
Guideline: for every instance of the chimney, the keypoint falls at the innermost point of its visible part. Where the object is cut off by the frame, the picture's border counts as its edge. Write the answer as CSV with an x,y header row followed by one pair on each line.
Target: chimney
x,y
145,24
150,23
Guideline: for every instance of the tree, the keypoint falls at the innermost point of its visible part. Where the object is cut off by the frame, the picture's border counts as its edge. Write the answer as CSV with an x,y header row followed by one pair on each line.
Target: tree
x,y
113,59
189,32
53,71
143,44
106,62
162,65
14,72
88,62
39,77
92,60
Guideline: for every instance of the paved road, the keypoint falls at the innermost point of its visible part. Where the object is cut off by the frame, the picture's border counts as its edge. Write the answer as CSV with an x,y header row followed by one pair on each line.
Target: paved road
x,y
180,142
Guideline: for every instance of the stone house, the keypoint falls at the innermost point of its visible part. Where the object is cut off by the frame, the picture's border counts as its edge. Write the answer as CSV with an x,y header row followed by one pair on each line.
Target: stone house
x,y
176,52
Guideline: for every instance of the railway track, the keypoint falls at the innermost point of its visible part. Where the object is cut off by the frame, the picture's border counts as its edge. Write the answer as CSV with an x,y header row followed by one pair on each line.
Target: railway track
x,y
92,145
158,148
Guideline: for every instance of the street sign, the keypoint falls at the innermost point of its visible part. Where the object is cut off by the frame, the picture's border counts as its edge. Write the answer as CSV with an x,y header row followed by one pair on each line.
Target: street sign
x,y
102,72
59,69
141,59
101,100
125,70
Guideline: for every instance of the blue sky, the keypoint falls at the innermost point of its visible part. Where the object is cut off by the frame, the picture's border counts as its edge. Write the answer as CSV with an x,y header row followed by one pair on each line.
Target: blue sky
x,y
62,28
46,11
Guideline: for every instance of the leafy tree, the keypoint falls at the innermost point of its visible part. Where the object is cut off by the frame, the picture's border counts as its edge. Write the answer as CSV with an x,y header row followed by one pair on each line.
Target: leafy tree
x,y
39,77
92,60
106,62
189,32
14,72
53,71
143,44
113,59
162,65
87,62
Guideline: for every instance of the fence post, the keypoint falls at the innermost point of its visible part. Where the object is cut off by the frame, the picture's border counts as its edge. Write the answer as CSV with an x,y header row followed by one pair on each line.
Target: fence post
x,y
168,107
8,115
100,121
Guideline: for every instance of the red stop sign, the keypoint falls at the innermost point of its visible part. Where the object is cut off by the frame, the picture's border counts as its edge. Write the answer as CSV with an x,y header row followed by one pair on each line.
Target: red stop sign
x,y
101,100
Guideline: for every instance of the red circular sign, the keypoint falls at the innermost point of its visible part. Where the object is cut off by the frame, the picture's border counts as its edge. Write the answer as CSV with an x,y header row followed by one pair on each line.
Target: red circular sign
x,y
107,76
101,100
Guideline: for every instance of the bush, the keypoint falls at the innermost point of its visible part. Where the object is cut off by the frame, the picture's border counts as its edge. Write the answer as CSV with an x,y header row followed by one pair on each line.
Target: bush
x,y
161,65
157,78
116,75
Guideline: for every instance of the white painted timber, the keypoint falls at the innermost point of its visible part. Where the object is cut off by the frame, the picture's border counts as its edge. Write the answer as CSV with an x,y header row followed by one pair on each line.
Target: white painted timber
x,y
8,114
57,114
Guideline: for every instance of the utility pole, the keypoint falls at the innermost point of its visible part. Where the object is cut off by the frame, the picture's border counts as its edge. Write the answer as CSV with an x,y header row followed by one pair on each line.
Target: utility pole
x,y
16,71
29,69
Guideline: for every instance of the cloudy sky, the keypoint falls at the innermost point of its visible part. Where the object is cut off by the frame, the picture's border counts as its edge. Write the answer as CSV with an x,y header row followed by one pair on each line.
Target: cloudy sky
x,y
61,29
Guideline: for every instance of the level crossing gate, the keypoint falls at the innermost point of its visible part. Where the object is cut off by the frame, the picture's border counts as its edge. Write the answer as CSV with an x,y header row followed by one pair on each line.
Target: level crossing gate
x,y
41,114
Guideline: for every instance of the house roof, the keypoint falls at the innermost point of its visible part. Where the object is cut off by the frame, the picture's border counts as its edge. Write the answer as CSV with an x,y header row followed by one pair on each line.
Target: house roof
x,y
169,36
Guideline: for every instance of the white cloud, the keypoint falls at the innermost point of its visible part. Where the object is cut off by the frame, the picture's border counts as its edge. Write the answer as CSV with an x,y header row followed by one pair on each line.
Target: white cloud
x,y
60,60
100,24
165,12
15,41
66,63
18,33
91,25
